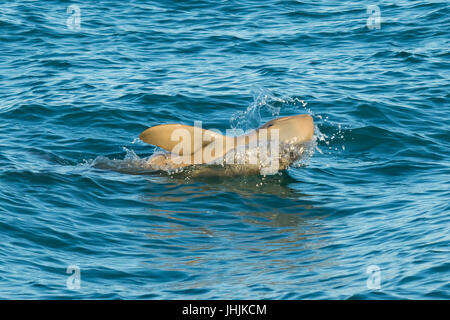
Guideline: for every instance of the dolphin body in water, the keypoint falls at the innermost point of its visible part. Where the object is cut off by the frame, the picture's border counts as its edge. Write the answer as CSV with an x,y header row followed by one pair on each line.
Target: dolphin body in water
x,y
272,147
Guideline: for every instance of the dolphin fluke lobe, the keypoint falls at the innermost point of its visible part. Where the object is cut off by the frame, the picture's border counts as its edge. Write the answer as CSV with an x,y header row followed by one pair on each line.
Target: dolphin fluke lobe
x,y
272,147
169,137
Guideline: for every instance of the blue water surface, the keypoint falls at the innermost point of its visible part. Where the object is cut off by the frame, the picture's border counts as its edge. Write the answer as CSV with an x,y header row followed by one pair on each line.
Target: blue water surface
x,y
79,80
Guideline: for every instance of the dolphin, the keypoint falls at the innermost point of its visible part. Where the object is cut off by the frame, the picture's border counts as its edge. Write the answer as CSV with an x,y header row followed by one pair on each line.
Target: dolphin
x,y
268,149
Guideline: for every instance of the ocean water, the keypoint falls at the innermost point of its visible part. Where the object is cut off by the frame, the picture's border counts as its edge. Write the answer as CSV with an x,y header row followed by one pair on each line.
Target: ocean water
x,y
366,215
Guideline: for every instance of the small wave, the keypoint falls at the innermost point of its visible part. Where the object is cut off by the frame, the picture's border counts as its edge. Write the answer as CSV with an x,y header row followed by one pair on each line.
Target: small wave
x,y
131,164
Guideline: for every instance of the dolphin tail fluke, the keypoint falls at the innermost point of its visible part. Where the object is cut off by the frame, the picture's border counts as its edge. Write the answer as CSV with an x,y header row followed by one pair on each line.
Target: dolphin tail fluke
x,y
178,138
